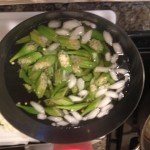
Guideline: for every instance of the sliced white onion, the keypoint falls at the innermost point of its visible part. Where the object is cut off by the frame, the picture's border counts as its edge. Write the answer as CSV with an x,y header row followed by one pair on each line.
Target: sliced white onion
x,y
105,101
107,108
102,114
62,32
92,114
53,124
120,96
107,56
55,119
76,115
74,37
62,123
53,47
88,23
113,75
37,107
84,118
71,119
75,98
100,92
120,89
114,65
86,37
65,75
83,93
80,84
114,58
107,37
121,71
78,31
117,85
71,24
111,94
117,48
54,24
101,69
72,81
65,112
41,116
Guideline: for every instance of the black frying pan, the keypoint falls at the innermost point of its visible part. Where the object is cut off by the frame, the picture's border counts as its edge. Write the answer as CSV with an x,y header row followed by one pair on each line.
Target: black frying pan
x,y
11,90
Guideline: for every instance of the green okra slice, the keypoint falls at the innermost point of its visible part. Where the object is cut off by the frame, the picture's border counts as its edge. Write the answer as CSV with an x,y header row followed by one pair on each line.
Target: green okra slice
x,y
58,87
28,88
58,76
28,109
61,93
23,75
34,74
45,62
37,38
87,48
63,101
68,43
91,106
29,58
81,52
97,35
65,61
53,111
26,49
92,91
87,64
49,33
96,45
74,107
87,77
23,40
41,85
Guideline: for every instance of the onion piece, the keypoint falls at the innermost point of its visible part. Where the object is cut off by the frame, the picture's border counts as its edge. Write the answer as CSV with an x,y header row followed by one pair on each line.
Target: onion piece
x,y
102,114
71,24
41,116
101,69
86,37
121,71
72,81
54,24
107,56
117,85
65,112
77,31
92,114
107,108
80,84
62,32
113,75
83,93
76,115
62,123
114,65
53,47
117,48
88,23
114,58
111,94
37,107
55,119
75,98
120,96
105,101
71,119
108,38
100,92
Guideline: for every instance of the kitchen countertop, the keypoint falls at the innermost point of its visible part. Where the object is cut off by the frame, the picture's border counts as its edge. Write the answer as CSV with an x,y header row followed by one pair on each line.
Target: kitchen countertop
x,y
131,16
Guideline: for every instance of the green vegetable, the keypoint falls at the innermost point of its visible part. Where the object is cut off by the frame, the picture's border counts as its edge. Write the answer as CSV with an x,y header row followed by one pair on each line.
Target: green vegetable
x,y
28,109
23,40
53,111
41,85
26,49
29,58
74,107
97,35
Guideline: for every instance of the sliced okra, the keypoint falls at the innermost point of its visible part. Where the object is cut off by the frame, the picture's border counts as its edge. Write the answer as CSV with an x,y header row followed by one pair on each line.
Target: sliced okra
x,y
53,111
26,49
23,40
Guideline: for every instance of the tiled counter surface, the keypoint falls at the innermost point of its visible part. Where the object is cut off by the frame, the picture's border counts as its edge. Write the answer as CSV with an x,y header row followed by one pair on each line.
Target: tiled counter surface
x,y
131,16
